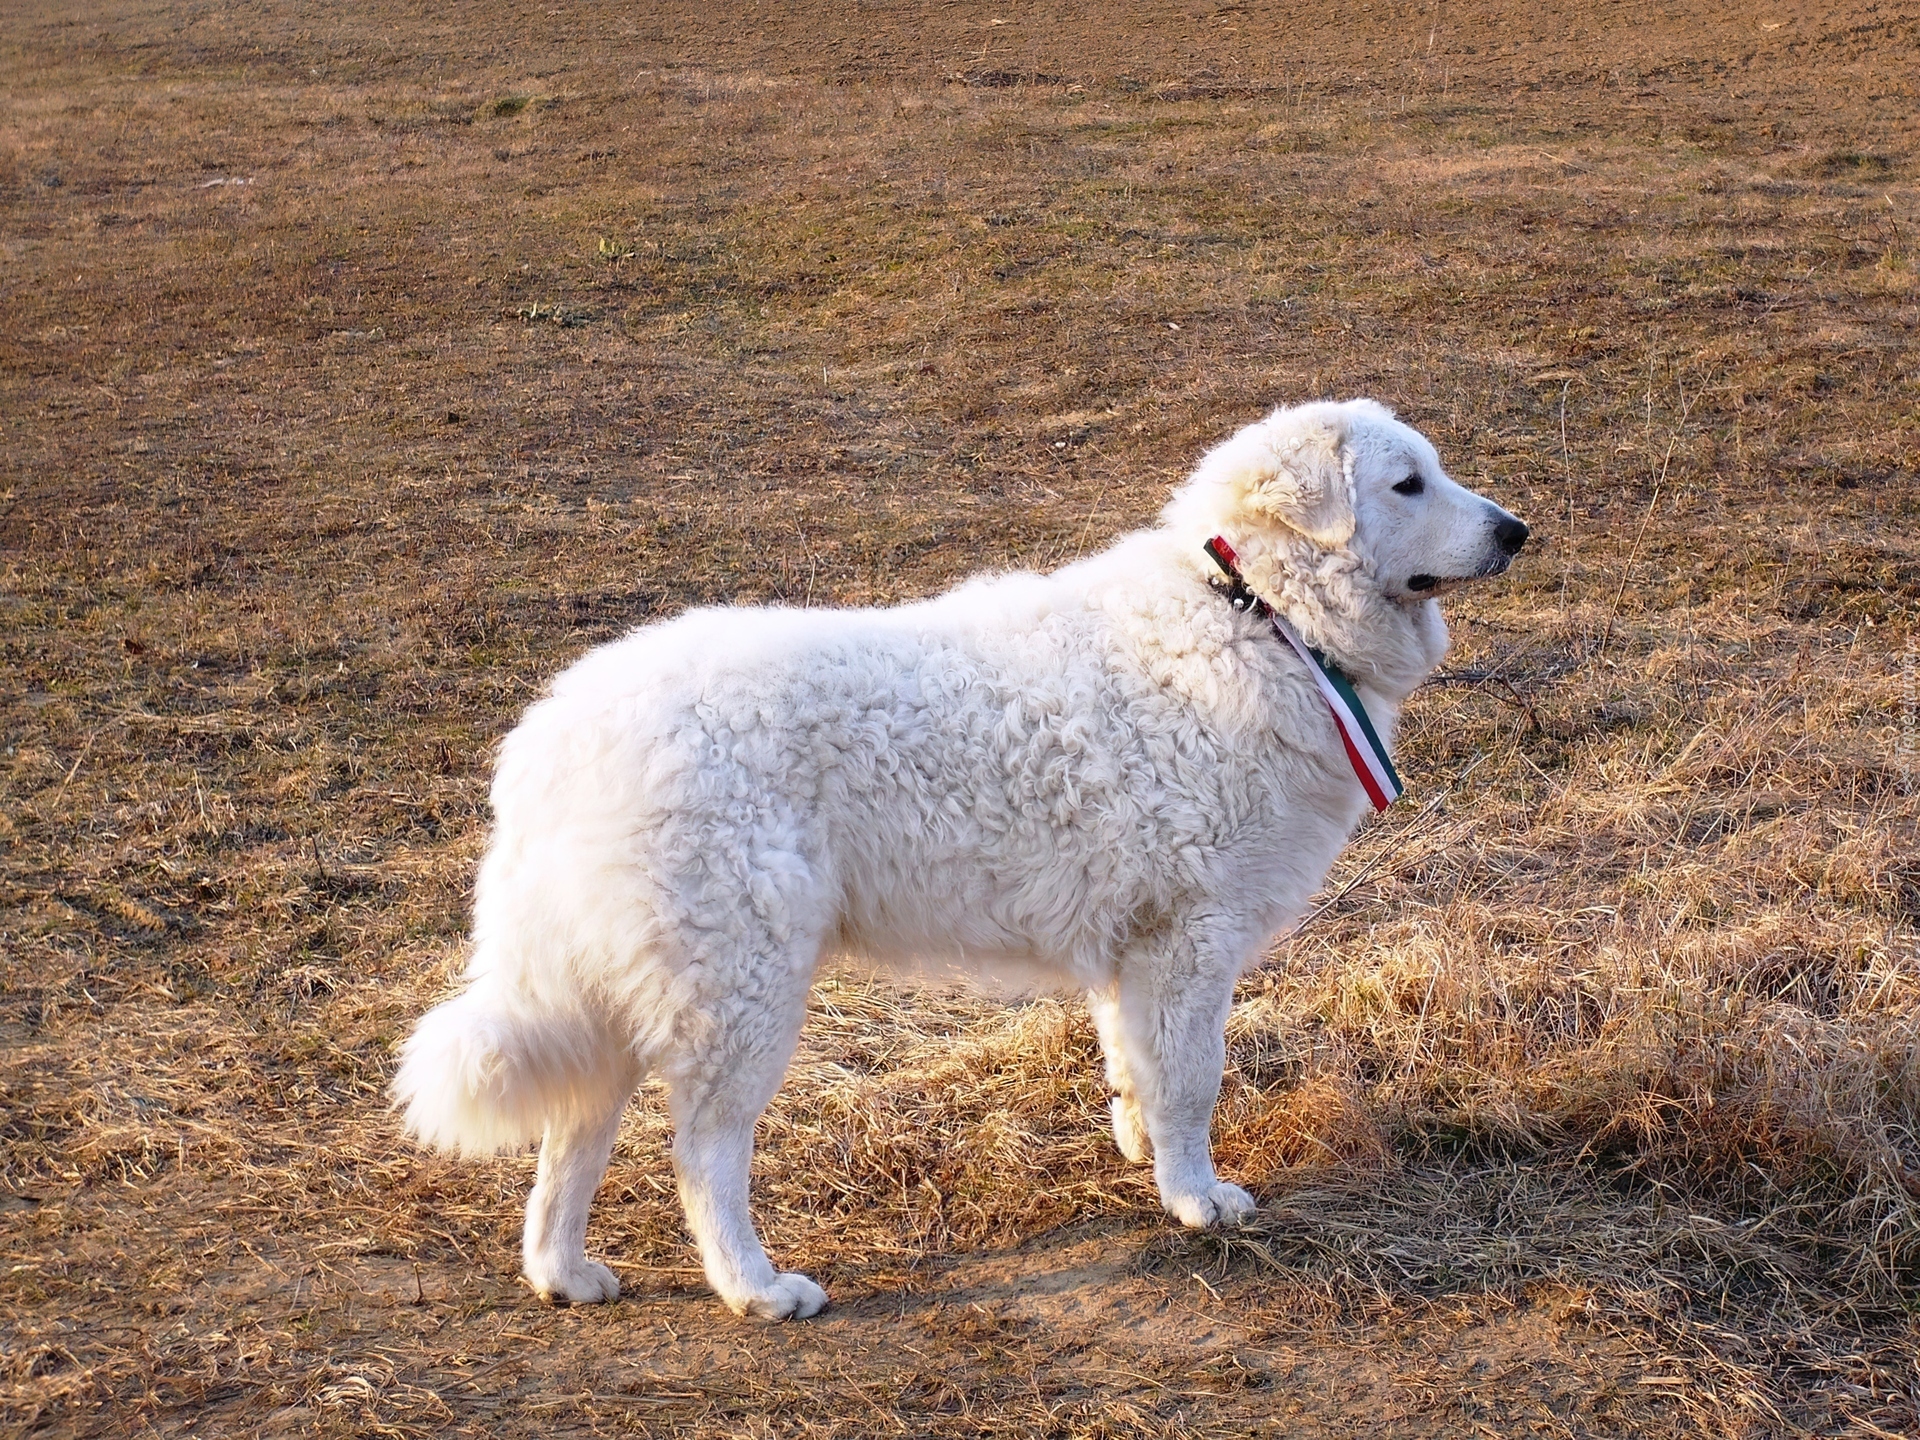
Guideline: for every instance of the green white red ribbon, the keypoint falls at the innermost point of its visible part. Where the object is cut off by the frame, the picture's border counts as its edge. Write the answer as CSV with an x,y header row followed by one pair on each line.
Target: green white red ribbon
x,y
1372,766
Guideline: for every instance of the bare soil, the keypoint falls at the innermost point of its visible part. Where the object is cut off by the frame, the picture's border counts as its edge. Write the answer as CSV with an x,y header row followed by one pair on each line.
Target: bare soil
x,y
365,363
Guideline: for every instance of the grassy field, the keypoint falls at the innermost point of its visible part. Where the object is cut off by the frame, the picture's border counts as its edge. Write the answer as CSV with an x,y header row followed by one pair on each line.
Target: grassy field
x,y
366,362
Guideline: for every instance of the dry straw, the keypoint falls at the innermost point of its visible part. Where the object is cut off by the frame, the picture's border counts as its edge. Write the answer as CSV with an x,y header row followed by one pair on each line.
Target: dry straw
x,y
1614,1023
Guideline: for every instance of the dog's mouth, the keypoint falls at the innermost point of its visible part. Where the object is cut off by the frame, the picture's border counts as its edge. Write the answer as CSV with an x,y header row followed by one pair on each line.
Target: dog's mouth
x,y
1425,587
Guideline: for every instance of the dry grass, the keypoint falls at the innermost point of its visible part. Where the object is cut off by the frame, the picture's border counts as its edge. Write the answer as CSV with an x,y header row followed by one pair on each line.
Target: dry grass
x,y
352,387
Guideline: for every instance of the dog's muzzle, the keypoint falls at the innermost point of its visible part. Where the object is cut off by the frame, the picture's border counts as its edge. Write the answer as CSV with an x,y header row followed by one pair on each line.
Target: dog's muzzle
x,y
1509,534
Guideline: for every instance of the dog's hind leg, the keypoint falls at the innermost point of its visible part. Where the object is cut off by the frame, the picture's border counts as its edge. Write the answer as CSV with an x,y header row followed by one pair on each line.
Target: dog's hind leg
x,y
1129,1125
573,1160
1174,996
491,1069
716,1093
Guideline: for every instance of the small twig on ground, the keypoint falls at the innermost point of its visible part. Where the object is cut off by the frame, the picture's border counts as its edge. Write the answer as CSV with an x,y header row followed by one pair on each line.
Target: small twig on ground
x,y
79,760
1566,469
1577,169
1659,483
1487,677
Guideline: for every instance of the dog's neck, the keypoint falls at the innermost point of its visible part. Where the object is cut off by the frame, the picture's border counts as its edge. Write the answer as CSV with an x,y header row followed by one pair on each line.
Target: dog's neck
x,y
1334,602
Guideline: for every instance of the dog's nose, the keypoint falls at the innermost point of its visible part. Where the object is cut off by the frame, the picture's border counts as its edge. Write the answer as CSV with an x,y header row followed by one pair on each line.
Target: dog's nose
x,y
1510,534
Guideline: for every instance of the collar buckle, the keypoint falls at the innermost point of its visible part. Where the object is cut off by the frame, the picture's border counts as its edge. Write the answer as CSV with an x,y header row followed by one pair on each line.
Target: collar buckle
x,y
1239,594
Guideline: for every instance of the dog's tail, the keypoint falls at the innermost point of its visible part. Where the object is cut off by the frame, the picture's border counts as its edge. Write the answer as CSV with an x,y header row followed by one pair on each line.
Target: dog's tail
x,y
491,1069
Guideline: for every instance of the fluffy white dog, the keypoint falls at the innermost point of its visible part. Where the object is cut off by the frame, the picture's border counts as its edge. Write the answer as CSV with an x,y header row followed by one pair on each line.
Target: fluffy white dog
x,y
1111,778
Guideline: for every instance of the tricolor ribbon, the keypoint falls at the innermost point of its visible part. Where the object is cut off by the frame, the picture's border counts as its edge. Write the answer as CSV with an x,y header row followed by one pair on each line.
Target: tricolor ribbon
x,y
1371,763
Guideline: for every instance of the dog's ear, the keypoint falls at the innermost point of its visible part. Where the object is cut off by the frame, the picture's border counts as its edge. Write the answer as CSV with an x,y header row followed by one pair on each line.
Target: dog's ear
x,y
1292,468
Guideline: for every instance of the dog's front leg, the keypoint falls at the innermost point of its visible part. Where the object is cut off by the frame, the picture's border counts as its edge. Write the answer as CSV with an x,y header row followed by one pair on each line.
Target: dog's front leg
x,y
1173,1002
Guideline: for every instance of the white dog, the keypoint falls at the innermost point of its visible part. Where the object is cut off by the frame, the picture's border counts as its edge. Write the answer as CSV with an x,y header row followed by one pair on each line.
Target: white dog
x,y
1118,778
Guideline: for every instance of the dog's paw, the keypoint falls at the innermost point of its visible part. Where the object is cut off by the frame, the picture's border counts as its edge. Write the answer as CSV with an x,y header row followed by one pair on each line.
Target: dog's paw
x,y
791,1296
1129,1129
1219,1205
574,1282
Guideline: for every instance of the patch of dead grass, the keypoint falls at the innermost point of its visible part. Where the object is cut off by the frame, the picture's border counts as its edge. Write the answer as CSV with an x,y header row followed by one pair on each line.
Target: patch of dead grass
x,y
1614,1025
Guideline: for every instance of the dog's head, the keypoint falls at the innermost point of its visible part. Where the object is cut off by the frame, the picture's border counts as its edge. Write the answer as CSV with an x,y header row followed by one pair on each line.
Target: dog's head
x,y
1349,479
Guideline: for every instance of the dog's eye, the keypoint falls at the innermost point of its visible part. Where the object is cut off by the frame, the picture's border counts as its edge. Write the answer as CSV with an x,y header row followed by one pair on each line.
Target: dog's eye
x,y
1412,485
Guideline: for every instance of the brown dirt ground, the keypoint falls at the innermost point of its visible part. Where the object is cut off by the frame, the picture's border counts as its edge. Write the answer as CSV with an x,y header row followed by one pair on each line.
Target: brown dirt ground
x,y
366,362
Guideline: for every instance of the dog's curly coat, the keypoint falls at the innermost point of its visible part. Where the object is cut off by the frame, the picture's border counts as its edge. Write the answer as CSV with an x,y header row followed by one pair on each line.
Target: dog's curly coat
x,y
1104,778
